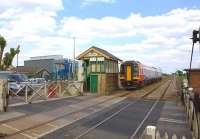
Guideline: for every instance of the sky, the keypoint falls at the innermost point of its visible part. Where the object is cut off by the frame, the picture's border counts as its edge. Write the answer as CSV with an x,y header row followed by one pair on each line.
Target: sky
x,y
156,33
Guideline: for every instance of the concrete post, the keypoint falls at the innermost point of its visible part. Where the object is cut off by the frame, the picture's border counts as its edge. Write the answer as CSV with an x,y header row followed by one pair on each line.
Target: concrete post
x,y
151,131
4,96
165,136
174,137
59,91
45,90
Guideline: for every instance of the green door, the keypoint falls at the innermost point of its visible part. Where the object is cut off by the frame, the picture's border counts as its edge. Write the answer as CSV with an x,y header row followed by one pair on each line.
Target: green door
x,y
88,83
93,83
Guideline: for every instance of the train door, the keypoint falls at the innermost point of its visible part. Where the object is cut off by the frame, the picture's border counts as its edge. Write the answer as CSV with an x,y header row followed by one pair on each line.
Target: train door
x,y
128,73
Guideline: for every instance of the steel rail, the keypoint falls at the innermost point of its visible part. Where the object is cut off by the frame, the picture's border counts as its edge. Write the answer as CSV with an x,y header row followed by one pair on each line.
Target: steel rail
x,y
31,114
116,113
150,111
57,118
64,115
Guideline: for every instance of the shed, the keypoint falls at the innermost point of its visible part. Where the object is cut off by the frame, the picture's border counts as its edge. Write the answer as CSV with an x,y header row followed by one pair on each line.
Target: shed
x,y
57,66
100,70
194,79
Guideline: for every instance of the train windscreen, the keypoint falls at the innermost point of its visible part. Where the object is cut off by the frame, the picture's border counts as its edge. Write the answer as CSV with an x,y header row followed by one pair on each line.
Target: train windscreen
x,y
135,70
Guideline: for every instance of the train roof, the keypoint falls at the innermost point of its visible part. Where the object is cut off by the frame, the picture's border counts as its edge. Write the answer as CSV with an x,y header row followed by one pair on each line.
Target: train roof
x,y
131,61
137,62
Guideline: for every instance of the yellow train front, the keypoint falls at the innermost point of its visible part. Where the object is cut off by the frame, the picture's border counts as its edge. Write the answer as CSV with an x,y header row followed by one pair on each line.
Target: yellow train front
x,y
133,74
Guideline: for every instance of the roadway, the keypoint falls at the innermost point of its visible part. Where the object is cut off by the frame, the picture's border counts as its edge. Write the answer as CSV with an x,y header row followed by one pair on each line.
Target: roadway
x,y
120,116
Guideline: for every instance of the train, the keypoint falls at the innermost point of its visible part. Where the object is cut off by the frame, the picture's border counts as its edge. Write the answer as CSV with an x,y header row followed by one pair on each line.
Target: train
x,y
134,74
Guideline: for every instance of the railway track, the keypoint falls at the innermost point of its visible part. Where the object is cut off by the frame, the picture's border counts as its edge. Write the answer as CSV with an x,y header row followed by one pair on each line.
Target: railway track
x,y
70,100
27,130
85,134
14,124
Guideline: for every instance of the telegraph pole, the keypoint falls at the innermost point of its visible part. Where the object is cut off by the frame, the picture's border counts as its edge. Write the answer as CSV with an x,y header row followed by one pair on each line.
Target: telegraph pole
x,y
17,62
74,38
17,59
74,66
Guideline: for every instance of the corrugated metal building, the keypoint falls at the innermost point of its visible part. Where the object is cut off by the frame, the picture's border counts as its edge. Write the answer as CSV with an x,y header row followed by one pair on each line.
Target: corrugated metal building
x,y
57,66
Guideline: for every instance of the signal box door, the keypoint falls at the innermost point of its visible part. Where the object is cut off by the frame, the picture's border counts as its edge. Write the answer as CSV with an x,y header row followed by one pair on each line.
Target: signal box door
x,y
93,83
128,73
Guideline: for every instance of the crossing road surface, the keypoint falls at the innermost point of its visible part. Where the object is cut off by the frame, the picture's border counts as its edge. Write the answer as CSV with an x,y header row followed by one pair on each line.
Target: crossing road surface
x,y
127,120
120,116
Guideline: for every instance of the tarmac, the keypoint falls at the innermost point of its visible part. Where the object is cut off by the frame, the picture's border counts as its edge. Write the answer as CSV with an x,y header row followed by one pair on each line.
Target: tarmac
x,y
168,116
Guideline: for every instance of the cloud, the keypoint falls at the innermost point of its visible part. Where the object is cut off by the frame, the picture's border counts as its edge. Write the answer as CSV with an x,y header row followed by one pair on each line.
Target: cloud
x,y
165,42
31,4
172,25
92,28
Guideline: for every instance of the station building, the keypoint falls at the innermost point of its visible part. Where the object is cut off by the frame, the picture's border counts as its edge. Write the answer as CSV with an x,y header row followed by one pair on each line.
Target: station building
x,y
100,70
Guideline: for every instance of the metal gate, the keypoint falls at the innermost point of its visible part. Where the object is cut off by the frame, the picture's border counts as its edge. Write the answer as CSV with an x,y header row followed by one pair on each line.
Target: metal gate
x,y
28,93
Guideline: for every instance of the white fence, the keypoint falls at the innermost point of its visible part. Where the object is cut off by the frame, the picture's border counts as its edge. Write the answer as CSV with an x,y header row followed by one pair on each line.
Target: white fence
x,y
192,109
151,132
33,92
192,112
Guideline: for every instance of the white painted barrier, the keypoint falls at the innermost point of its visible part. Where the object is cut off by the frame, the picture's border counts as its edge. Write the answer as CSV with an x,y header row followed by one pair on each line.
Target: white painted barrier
x,y
151,132
192,114
46,91
3,95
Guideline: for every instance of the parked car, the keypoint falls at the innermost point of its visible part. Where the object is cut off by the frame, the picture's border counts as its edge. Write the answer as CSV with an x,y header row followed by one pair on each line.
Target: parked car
x,y
16,83
37,80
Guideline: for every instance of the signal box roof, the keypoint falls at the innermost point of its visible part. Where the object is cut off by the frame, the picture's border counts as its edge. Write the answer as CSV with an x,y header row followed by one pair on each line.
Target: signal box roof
x,y
95,51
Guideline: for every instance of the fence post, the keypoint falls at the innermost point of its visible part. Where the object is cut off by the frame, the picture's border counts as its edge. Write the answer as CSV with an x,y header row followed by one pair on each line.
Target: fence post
x,y
45,89
158,135
26,93
59,92
165,136
174,136
149,133
3,96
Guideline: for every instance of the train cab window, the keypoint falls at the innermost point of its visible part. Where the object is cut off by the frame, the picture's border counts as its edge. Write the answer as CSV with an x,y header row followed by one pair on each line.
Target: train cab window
x,y
122,69
135,70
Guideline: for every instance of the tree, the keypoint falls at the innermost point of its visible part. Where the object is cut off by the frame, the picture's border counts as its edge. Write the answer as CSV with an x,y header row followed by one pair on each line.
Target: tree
x,y
7,59
179,72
